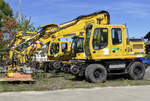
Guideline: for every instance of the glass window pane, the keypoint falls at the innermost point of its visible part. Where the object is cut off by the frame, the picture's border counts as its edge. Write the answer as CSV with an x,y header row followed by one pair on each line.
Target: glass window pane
x,y
80,45
100,38
64,47
54,48
116,36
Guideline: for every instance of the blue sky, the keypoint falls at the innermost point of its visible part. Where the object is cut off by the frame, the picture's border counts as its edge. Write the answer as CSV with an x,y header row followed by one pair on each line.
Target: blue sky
x,y
134,13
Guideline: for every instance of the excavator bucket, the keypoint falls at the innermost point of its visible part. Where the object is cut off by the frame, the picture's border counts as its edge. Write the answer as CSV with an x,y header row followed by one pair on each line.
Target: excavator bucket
x,y
17,77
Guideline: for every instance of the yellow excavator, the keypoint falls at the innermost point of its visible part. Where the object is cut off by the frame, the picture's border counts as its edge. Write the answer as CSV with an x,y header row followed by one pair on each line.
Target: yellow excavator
x,y
12,64
97,48
102,49
26,45
105,50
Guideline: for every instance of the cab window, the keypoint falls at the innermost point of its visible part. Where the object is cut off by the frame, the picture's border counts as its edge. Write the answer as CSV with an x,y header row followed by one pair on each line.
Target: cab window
x,y
100,38
64,47
116,36
54,48
80,45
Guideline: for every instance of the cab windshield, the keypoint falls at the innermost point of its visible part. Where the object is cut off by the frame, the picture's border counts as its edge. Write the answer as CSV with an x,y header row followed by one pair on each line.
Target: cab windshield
x,y
77,45
54,48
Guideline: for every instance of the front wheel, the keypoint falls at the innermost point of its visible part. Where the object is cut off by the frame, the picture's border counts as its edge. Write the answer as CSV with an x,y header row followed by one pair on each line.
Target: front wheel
x,y
136,71
96,73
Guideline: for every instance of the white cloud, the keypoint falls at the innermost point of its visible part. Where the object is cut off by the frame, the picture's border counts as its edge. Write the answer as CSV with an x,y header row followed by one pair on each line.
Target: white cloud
x,y
133,8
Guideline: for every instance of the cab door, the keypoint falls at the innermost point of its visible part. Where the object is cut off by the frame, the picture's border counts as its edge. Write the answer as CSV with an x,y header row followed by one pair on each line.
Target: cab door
x,y
100,42
116,41
54,49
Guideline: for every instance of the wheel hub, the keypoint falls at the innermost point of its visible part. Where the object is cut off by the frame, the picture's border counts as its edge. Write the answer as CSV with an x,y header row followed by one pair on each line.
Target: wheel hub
x,y
137,71
98,74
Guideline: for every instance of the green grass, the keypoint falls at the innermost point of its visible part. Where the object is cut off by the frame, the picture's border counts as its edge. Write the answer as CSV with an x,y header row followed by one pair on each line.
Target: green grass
x,y
49,81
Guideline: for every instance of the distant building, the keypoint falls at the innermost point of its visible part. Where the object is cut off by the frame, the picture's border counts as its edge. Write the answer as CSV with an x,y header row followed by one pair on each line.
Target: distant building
x,y
147,36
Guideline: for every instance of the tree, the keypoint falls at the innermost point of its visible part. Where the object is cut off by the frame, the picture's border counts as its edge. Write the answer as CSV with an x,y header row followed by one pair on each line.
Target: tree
x,y
15,25
12,25
5,12
25,24
1,35
10,28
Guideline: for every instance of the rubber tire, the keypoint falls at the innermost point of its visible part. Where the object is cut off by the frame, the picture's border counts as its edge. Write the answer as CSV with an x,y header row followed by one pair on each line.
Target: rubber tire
x,y
57,65
89,73
131,73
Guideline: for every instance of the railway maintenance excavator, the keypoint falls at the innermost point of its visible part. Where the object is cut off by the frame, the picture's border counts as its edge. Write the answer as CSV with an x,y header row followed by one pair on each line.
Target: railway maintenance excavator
x,y
102,49
97,48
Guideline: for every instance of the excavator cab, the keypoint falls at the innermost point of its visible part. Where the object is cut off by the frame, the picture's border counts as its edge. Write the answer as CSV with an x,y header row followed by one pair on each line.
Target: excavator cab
x,y
77,48
109,42
106,42
59,50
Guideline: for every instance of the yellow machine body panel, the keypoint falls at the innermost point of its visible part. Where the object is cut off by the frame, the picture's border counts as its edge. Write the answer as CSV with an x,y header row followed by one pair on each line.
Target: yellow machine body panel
x,y
136,48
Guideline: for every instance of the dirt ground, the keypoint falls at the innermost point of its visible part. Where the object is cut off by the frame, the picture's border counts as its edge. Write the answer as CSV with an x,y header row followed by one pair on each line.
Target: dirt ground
x,y
53,81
